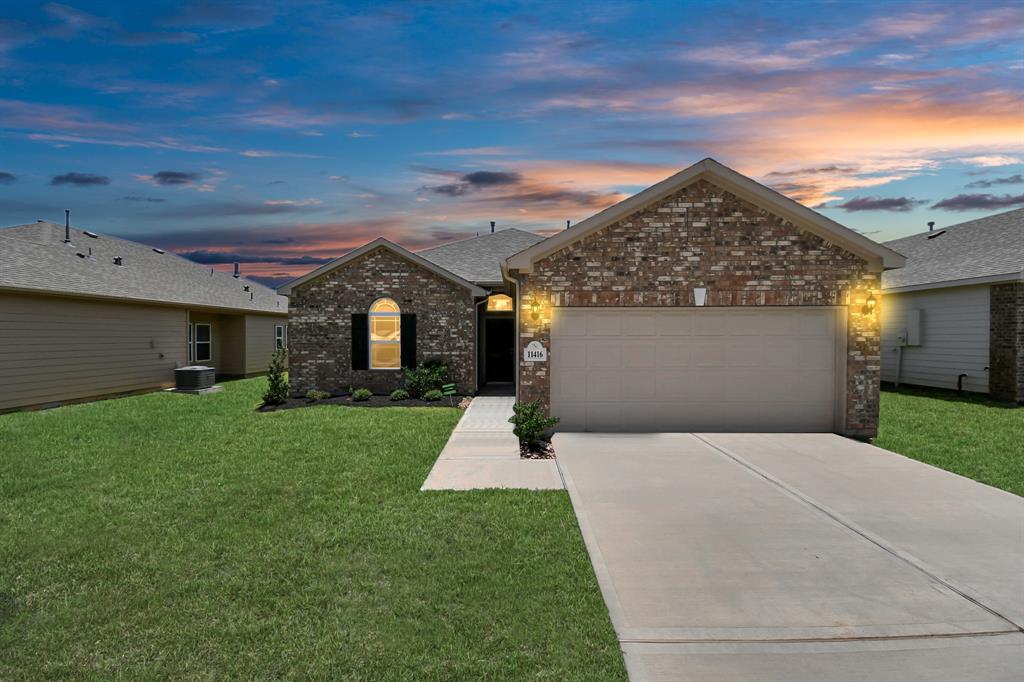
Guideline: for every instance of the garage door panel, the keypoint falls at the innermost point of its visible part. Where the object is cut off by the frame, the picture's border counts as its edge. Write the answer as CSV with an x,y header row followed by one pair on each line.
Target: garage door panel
x,y
738,369
570,322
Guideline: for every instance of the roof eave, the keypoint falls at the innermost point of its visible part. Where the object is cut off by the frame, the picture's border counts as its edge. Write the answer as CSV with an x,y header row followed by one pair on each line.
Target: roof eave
x,y
950,283
378,243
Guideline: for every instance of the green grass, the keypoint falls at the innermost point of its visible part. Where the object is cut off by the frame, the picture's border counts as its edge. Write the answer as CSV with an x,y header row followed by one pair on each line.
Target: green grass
x,y
173,536
968,435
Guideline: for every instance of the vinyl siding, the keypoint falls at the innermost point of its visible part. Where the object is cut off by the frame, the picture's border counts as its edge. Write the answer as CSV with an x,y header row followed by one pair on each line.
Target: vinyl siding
x,y
55,349
228,333
954,337
259,341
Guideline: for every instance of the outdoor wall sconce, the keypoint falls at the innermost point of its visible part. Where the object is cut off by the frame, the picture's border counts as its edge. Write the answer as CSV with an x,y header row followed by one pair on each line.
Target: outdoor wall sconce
x,y
535,309
869,306
700,295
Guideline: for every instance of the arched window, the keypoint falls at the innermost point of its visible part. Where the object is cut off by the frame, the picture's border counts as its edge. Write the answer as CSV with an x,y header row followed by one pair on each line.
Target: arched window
x,y
385,335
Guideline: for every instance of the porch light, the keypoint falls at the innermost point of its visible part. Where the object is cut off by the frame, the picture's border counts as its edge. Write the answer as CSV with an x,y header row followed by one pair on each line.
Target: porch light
x,y
535,309
869,306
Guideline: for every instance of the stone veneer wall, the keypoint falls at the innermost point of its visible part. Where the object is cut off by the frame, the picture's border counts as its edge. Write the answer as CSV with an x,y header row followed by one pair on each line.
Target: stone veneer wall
x,y
745,256
320,323
1006,341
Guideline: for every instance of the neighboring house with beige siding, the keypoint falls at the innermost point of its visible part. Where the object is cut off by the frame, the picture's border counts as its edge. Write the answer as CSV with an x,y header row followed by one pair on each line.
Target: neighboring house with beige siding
x,y
85,315
953,317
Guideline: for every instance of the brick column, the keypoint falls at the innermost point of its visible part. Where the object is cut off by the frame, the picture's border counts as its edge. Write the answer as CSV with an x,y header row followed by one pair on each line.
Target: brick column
x,y
1006,342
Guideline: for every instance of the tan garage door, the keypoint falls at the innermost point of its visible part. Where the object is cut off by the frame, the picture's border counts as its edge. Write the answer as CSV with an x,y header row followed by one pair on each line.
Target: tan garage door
x,y
695,369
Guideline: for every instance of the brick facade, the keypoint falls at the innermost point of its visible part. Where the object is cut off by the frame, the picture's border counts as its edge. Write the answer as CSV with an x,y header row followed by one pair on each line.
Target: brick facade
x,y
705,236
1006,341
320,323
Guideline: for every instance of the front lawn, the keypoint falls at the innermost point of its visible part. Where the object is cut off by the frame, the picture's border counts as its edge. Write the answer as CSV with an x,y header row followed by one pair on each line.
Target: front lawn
x,y
968,435
179,536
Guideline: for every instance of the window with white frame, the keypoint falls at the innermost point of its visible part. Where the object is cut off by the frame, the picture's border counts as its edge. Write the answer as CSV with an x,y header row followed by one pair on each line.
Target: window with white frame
x,y
385,335
203,343
280,341
189,326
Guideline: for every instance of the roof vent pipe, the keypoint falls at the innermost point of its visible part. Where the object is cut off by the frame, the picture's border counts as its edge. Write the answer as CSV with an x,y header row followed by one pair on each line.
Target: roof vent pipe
x,y
237,274
492,226
118,260
67,225
931,225
567,224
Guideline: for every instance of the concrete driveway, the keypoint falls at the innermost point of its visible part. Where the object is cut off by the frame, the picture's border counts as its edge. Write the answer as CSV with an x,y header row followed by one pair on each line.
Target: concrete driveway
x,y
797,557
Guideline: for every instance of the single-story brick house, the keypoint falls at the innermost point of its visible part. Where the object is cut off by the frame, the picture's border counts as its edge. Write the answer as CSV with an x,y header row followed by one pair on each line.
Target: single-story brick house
x,y
954,315
705,302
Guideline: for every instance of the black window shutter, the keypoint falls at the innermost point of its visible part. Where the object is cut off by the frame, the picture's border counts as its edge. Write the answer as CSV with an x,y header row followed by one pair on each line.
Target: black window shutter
x,y
408,340
360,341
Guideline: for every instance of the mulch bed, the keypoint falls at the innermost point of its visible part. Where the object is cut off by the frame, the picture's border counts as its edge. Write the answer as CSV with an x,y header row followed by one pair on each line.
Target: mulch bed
x,y
374,401
545,451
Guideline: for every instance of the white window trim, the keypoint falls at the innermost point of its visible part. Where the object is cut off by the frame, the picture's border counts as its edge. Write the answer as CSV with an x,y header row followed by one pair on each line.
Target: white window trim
x,y
196,342
372,341
280,337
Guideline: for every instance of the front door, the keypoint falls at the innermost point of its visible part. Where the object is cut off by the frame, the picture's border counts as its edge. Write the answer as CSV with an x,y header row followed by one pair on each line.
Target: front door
x,y
499,342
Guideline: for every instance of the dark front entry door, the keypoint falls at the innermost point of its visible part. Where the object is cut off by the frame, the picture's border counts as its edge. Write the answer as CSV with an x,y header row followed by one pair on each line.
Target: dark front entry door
x,y
499,358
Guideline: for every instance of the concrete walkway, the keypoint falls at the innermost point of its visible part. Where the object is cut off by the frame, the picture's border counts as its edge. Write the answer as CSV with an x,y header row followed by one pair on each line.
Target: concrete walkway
x,y
482,452
797,557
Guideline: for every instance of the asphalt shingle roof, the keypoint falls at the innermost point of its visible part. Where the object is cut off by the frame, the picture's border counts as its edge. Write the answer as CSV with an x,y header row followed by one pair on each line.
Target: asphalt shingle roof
x,y
986,247
34,257
478,259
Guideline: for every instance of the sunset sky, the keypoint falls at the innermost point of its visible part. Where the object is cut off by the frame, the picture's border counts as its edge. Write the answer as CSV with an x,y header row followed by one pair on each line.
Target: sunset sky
x,y
283,137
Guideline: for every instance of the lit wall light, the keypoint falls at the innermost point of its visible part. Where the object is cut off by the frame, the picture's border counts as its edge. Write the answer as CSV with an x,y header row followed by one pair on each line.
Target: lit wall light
x,y
535,309
869,306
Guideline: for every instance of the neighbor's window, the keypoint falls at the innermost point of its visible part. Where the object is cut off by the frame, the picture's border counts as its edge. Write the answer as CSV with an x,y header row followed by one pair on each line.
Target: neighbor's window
x,y
189,343
385,335
499,303
203,336
279,338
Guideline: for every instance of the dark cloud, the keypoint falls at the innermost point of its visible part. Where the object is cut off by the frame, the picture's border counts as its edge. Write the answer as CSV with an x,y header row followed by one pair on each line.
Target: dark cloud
x,y
900,204
7,178
237,208
80,179
547,195
147,200
822,170
222,257
471,182
175,177
975,202
1011,180
272,281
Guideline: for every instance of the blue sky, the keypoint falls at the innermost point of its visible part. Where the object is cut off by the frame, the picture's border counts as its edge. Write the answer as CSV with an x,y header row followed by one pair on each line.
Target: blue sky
x,y
284,135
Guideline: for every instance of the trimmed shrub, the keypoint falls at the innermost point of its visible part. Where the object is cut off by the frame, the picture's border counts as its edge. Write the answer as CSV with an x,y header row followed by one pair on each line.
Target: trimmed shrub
x,y
277,380
315,395
431,396
530,423
362,394
429,376
399,394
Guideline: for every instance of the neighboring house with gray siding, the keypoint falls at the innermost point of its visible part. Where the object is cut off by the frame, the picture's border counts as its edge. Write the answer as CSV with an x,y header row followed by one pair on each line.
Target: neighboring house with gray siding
x,y
953,316
85,315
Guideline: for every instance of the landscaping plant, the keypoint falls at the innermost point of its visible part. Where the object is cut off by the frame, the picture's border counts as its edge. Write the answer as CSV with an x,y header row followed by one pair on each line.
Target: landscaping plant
x,y
429,376
277,380
362,394
530,423
432,396
399,394
316,394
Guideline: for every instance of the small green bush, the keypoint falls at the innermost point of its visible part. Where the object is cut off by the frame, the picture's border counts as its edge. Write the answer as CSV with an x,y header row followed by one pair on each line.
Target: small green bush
x,y
530,423
429,376
431,396
399,394
315,395
362,394
277,381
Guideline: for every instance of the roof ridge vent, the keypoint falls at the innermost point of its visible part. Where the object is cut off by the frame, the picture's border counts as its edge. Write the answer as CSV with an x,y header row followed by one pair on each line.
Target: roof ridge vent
x,y
118,260
937,234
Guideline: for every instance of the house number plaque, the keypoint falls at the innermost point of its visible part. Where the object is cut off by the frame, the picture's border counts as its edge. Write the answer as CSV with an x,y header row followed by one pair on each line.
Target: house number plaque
x,y
535,352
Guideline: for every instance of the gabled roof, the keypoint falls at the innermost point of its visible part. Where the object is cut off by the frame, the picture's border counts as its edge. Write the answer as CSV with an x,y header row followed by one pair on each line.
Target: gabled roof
x,y
478,259
380,243
878,256
35,259
984,250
